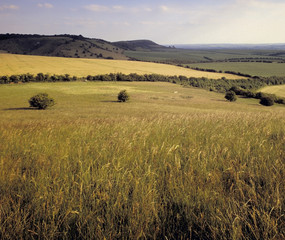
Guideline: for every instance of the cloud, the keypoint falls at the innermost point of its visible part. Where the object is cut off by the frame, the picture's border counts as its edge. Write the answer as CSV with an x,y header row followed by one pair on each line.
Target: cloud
x,y
164,8
262,3
152,23
45,5
97,8
9,7
116,8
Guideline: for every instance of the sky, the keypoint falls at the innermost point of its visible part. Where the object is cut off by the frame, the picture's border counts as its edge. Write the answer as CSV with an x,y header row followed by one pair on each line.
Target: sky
x,y
162,21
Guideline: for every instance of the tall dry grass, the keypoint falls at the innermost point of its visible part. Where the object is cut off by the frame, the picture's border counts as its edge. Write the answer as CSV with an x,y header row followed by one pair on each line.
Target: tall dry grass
x,y
160,167
205,176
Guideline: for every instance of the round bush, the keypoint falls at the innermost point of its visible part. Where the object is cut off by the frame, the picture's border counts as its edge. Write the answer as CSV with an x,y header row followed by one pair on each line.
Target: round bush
x,y
41,101
266,101
123,96
231,96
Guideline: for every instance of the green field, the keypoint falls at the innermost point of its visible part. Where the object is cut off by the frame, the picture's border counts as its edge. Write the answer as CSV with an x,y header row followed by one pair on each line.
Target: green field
x,y
251,68
173,163
185,56
20,64
219,60
277,90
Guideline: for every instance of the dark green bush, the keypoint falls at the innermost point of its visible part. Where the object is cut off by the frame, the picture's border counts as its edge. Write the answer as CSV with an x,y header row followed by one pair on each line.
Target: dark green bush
x,y
260,95
267,101
280,100
231,96
41,101
249,94
123,96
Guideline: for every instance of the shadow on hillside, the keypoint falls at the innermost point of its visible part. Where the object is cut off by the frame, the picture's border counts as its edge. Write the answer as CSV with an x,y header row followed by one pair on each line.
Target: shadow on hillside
x,y
17,109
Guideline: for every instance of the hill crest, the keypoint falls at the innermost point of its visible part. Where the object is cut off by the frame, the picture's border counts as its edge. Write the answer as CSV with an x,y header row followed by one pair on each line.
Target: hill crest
x,y
135,45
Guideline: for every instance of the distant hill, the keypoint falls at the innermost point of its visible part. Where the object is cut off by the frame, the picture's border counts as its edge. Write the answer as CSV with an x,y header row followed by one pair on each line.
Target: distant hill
x,y
60,46
137,45
273,46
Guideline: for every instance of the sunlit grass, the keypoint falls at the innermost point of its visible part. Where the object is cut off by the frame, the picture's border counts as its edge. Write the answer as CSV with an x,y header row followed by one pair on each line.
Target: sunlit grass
x,y
277,90
252,68
20,64
173,163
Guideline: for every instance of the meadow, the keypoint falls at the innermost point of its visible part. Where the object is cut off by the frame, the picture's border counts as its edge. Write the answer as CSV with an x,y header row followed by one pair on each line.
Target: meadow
x,y
20,64
173,163
251,68
277,90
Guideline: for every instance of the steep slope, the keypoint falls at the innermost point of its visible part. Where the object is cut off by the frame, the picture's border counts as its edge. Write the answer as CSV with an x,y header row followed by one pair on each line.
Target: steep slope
x,y
60,46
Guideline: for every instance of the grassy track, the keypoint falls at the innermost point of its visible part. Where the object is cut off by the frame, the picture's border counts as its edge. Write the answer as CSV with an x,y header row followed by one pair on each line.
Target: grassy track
x,y
18,64
252,68
173,163
277,90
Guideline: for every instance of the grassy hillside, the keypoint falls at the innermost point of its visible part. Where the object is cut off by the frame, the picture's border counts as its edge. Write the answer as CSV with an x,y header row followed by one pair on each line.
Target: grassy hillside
x,y
60,46
17,64
173,163
251,68
277,90
137,45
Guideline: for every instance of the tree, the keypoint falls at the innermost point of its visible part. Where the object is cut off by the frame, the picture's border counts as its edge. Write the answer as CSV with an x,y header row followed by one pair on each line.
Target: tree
x,y
41,101
266,101
231,96
123,96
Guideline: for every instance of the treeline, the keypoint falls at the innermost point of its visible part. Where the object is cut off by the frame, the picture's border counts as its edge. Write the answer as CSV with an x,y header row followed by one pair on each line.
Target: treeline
x,y
258,95
219,85
22,36
40,77
240,74
205,69
220,71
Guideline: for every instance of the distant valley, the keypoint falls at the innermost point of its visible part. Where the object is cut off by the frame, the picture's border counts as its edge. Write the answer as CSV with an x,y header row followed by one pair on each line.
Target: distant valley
x,y
274,46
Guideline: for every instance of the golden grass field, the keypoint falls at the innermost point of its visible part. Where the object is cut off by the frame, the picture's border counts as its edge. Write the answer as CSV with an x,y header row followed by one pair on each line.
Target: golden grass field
x,y
172,163
19,64
277,90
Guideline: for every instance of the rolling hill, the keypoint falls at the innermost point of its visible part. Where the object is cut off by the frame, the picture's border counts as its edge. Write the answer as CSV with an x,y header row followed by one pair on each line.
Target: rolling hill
x,y
72,46
60,46
137,45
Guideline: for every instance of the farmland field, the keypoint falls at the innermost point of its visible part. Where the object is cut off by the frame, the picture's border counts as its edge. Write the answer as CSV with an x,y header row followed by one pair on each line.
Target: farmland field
x,y
20,64
173,163
185,56
252,68
277,90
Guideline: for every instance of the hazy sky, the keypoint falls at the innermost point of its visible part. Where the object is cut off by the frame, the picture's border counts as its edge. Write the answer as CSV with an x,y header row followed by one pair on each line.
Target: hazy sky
x,y
163,21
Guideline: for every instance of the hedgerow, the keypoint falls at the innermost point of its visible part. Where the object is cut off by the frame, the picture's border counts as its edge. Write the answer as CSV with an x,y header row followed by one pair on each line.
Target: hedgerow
x,y
258,95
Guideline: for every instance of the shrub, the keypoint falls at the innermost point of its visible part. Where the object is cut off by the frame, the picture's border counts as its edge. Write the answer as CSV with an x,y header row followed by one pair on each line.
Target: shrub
x,y
267,101
41,101
280,100
260,95
249,94
231,96
123,96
